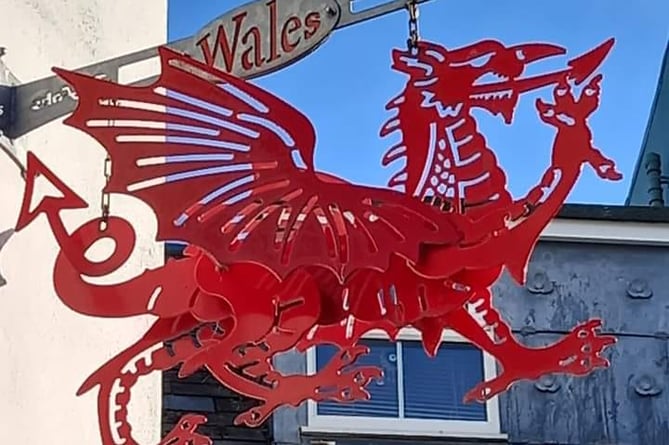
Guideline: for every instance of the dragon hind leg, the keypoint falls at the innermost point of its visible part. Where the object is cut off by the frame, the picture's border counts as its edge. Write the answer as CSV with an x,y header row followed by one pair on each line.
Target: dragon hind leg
x,y
337,381
578,353
247,368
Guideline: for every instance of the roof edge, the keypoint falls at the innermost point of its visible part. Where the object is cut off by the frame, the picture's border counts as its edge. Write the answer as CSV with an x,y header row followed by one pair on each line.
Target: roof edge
x,y
597,212
664,69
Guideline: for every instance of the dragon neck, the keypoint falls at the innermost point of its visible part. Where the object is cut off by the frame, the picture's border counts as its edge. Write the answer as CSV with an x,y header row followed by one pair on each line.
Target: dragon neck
x,y
416,122
446,157
564,178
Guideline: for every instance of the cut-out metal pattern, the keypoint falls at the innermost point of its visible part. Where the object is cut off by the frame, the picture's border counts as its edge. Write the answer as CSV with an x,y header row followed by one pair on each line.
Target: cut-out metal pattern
x,y
281,256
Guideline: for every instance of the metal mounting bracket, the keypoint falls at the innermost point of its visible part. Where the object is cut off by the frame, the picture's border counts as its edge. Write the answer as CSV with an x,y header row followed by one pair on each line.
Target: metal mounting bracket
x,y
31,105
6,107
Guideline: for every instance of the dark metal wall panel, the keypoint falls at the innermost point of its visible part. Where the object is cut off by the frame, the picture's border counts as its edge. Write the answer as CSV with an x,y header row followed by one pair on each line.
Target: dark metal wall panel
x,y
627,286
627,404
201,393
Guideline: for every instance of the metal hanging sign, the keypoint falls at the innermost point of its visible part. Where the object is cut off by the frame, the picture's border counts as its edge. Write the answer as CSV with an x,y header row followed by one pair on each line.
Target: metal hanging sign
x,y
280,255
264,36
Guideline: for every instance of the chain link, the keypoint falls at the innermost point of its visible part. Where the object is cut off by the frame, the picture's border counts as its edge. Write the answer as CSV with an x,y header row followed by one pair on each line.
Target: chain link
x,y
104,198
412,41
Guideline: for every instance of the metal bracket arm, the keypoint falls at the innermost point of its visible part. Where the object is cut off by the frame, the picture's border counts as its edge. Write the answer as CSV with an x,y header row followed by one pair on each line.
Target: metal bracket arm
x,y
42,101
6,107
39,102
350,17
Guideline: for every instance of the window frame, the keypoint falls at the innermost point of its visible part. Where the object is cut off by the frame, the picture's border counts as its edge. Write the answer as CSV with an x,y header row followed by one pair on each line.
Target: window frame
x,y
597,231
318,423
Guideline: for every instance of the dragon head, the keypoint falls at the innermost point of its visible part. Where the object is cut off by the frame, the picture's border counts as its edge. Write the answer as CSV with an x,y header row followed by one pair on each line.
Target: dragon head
x,y
486,74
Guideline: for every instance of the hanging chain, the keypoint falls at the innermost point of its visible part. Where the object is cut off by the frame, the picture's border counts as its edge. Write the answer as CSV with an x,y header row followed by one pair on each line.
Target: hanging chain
x,y
104,198
412,41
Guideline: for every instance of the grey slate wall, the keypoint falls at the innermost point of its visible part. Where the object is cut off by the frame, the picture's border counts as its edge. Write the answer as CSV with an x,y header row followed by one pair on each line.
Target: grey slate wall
x,y
627,404
201,394
628,287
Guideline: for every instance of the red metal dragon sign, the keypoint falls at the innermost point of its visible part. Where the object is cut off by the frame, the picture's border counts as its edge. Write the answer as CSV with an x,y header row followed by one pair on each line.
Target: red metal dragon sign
x,y
281,256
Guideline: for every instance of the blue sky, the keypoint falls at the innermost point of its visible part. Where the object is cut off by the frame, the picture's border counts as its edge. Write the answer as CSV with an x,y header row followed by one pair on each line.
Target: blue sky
x,y
344,86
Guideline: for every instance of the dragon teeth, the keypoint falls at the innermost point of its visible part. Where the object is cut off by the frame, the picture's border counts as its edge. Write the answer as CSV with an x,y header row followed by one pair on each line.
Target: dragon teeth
x,y
507,94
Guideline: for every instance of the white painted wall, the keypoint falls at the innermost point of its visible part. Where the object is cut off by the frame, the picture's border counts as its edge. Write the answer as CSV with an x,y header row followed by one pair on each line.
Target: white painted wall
x,y
46,350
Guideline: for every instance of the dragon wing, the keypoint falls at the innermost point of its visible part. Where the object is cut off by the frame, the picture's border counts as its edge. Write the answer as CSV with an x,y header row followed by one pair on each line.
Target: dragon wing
x,y
228,167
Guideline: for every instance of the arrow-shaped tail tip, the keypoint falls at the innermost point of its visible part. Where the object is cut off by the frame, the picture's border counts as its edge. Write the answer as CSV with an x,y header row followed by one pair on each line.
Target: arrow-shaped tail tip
x,y
49,205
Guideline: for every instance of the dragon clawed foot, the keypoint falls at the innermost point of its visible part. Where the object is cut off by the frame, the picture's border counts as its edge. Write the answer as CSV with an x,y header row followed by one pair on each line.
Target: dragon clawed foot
x,y
335,382
569,115
582,349
576,354
350,386
607,170
567,110
255,416
184,432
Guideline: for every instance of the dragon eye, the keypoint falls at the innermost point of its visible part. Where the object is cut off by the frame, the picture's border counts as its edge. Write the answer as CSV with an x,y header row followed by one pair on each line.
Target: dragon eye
x,y
435,55
590,92
561,91
481,60
476,62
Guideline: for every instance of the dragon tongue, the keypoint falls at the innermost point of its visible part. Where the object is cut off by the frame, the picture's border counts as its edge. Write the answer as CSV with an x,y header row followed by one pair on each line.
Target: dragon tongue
x,y
583,66
579,69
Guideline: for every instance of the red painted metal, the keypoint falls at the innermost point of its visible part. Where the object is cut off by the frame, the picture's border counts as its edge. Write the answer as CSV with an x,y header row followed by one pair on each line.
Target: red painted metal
x,y
281,256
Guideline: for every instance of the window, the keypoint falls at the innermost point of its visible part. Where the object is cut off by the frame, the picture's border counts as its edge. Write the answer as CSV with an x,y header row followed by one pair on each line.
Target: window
x,y
419,395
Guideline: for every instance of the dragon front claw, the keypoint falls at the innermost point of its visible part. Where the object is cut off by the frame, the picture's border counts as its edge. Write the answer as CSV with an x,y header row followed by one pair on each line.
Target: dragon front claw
x,y
585,344
576,354
348,356
486,390
253,417
350,386
607,170
337,381
184,433
568,110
